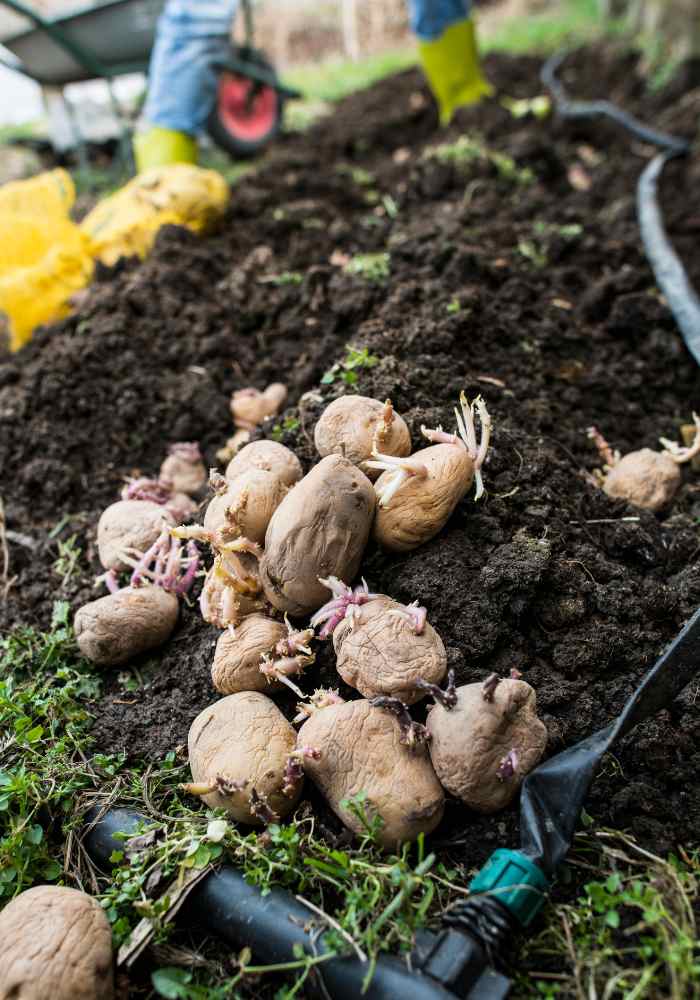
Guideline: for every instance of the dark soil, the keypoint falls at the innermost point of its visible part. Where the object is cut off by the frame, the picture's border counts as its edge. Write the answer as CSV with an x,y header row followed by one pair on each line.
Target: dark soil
x,y
548,575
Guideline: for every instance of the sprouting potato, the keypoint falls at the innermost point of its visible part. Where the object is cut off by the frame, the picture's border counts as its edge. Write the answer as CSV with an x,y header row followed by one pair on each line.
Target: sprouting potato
x,y
385,647
645,478
361,748
121,625
320,529
257,654
485,738
249,407
129,526
238,751
417,495
184,468
353,426
232,588
56,942
243,507
270,456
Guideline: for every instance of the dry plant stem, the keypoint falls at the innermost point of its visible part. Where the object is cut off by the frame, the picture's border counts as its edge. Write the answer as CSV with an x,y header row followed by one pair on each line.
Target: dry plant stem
x,y
413,734
5,581
679,454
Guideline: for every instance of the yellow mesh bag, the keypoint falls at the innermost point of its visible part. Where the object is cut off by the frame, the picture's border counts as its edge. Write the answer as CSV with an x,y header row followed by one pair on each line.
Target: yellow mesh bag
x,y
44,257
126,223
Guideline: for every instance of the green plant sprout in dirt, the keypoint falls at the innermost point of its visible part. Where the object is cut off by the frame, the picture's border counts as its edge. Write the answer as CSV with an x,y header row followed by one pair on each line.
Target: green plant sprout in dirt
x,y
372,267
66,563
630,932
537,248
469,150
288,426
346,370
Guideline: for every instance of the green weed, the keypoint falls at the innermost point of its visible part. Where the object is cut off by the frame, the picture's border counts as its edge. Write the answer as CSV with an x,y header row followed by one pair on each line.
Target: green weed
x,y
66,564
346,370
372,267
288,426
469,149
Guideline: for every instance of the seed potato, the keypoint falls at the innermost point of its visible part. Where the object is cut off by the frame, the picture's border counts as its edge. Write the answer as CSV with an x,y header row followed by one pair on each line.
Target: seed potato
x,y
57,944
240,744
247,506
270,456
117,627
361,751
319,530
129,524
352,425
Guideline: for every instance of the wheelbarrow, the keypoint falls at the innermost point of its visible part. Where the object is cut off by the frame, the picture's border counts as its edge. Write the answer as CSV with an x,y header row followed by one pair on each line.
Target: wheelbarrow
x,y
114,38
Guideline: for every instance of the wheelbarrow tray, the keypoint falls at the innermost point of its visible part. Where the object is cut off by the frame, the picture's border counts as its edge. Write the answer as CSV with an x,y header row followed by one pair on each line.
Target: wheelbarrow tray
x,y
110,39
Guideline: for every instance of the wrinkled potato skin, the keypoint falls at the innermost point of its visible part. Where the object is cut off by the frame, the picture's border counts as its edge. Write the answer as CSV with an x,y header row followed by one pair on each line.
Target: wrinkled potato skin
x,y
248,504
269,456
320,529
469,741
422,507
243,737
115,628
186,477
236,665
361,751
379,653
129,524
645,478
57,944
348,425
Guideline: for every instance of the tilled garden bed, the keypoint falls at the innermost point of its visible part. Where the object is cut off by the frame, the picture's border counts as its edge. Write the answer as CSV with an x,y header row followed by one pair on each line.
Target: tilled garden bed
x,y
513,269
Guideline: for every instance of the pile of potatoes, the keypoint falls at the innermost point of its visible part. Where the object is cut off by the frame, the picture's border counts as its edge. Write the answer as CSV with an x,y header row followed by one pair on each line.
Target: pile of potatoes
x,y
284,543
131,534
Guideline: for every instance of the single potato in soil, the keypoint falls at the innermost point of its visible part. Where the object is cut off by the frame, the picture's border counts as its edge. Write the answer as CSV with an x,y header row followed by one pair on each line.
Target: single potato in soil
x,y
361,750
56,943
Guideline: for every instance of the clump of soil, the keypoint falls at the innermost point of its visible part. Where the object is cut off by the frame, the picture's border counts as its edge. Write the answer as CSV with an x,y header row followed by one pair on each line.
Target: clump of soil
x,y
535,294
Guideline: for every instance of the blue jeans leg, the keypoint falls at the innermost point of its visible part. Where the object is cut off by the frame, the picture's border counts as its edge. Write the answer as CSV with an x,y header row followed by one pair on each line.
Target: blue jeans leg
x,y
181,82
430,18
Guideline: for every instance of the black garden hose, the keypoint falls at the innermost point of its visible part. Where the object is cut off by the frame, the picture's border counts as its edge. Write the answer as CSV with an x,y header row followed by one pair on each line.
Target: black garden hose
x,y
668,269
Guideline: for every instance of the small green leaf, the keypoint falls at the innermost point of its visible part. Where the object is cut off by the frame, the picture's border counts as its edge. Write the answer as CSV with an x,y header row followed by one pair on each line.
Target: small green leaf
x,y
171,982
612,918
35,834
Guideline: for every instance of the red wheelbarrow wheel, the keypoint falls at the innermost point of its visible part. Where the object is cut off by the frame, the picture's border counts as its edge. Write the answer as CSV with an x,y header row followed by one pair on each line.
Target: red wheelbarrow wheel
x,y
247,115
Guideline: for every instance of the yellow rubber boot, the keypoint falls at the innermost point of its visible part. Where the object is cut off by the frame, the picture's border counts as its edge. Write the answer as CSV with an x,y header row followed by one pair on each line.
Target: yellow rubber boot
x,y
451,66
159,147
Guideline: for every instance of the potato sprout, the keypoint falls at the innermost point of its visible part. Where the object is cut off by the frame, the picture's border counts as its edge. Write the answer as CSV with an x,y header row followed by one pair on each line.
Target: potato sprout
x,y
382,647
417,495
361,750
249,407
239,750
319,530
260,655
243,507
134,619
645,478
485,738
353,426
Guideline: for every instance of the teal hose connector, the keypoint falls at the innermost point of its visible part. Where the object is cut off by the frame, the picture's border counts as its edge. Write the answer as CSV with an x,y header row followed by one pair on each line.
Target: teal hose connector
x,y
515,881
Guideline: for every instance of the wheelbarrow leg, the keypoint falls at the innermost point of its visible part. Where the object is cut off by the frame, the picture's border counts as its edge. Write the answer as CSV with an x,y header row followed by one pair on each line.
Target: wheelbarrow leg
x,y
64,128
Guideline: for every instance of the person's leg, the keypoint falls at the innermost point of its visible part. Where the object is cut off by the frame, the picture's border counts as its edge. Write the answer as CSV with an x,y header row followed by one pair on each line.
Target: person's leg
x,y
181,82
448,52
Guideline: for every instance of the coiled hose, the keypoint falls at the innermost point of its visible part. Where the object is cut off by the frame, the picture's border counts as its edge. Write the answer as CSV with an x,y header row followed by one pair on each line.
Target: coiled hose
x,y
668,269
